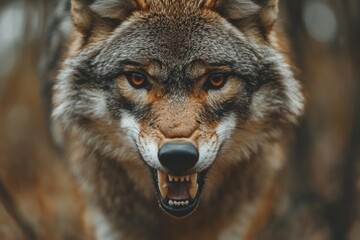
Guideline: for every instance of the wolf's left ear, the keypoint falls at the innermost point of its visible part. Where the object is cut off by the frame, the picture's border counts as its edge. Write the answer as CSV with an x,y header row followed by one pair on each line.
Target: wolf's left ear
x,y
247,13
104,14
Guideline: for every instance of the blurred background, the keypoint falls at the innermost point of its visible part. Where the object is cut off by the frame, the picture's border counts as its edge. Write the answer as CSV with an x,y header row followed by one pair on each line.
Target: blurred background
x,y
319,189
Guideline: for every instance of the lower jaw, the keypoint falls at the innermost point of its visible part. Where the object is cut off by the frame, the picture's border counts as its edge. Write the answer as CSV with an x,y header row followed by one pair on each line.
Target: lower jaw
x,y
180,211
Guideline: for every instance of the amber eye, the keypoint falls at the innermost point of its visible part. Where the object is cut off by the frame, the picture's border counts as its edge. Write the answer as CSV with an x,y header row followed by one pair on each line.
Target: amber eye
x,y
215,81
138,80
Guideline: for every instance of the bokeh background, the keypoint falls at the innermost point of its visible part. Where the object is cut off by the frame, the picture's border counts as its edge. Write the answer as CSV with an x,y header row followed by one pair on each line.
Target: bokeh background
x,y
319,188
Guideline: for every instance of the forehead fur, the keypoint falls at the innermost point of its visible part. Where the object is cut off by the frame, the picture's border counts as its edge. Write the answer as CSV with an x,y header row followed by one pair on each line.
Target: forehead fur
x,y
176,41
234,7
175,5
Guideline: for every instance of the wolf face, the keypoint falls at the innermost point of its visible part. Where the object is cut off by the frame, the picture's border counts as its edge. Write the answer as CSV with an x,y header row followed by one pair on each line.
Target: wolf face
x,y
181,85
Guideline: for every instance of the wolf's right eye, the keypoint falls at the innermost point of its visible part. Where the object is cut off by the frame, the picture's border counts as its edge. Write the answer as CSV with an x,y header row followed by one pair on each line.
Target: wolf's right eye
x,y
138,80
215,81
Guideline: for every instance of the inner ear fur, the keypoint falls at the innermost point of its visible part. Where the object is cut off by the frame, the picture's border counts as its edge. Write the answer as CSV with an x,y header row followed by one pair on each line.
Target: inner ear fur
x,y
245,14
104,14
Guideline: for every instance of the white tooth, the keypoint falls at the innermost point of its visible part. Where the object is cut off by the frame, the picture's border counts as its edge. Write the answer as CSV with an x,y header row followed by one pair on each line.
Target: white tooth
x,y
170,178
187,178
193,178
193,190
182,179
161,184
176,179
187,202
171,202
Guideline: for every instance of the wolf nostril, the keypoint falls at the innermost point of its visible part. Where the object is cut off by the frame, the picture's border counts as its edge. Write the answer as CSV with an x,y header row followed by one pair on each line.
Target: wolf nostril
x,y
178,157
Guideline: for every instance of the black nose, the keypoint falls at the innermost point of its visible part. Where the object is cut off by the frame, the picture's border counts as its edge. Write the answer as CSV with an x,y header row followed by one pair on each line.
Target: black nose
x,y
178,157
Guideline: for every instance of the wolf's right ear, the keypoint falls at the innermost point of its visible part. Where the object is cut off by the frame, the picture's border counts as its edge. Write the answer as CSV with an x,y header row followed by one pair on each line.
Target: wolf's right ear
x,y
247,14
90,14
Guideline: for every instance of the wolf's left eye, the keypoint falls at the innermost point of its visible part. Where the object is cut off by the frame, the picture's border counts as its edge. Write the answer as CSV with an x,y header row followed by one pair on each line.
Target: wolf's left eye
x,y
215,81
138,80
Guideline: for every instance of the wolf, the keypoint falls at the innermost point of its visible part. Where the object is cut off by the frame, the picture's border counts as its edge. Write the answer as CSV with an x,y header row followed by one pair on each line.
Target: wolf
x,y
173,115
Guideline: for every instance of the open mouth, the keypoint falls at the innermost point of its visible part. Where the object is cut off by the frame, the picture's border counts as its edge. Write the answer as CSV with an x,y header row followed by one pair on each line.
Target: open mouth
x,y
178,195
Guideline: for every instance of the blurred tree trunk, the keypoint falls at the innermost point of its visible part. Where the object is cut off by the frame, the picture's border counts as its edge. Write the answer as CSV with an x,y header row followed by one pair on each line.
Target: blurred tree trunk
x,y
322,198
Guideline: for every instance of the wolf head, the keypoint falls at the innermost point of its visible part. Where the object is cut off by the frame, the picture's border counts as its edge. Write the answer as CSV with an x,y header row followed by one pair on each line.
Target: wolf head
x,y
180,84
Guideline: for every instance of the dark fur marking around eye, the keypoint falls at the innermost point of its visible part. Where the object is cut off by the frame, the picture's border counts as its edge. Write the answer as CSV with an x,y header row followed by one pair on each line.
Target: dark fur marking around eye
x,y
117,102
224,109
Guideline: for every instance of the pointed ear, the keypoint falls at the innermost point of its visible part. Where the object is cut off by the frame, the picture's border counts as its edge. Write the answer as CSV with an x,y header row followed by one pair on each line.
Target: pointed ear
x,y
89,14
248,13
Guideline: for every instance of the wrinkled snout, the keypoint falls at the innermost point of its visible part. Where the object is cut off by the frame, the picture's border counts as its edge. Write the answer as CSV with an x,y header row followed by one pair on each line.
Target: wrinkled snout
x,y
178,157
